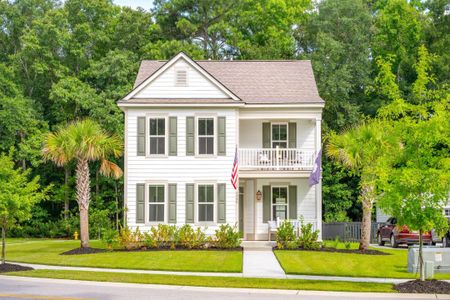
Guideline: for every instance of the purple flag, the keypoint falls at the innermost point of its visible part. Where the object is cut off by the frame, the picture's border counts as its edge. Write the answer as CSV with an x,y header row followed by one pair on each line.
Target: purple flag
x,y
314,178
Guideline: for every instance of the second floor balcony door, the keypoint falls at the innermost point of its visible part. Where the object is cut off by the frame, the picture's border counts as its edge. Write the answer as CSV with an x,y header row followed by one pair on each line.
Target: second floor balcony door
x,y
279,135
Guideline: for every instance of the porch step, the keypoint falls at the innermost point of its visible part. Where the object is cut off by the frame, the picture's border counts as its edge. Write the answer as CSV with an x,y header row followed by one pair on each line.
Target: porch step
x,y
257,245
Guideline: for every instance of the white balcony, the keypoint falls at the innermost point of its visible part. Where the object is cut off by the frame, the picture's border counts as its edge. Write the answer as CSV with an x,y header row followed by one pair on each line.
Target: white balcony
x,y
275,159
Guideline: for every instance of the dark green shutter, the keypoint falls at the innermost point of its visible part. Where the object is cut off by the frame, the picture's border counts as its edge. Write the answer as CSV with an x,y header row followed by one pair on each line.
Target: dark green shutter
x,y
292,135
189,203
140,203
141,136
266,203
173,136
221,203
190,136
266,135
221,143
293,202
172,203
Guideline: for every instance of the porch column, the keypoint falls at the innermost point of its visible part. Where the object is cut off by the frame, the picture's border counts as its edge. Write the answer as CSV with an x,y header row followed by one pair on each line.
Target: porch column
x,y
318,187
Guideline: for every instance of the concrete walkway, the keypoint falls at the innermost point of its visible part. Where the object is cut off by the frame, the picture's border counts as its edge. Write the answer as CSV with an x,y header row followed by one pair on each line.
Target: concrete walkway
x,y
260,261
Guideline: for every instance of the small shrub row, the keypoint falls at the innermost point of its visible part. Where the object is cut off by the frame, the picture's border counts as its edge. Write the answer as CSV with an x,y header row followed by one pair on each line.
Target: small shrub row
x,y
287,239
172,237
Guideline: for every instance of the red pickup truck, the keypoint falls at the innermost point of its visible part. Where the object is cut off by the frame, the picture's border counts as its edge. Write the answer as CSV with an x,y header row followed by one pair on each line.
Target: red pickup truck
x,y
400,234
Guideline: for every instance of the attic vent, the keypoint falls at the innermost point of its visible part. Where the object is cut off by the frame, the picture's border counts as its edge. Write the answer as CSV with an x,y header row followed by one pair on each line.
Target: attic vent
x,y
181,78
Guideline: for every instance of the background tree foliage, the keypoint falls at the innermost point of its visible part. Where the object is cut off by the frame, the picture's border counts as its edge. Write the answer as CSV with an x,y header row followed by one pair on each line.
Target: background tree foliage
x,y
67,60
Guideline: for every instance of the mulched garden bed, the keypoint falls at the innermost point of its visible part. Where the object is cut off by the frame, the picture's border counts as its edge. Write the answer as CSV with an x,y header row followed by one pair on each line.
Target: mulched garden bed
x,y
80,250
4,268
424,287
354,251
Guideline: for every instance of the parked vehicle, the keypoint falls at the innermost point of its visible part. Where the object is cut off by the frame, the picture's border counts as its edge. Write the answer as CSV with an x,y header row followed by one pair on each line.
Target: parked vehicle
x,y
397,234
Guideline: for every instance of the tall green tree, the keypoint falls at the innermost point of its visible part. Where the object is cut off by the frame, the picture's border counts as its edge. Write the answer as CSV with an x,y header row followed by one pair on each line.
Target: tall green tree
x,y
18,195
84,141
364,150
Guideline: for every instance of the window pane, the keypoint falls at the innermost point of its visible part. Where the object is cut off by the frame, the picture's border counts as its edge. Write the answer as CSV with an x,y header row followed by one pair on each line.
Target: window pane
x,y
156,213
280,211
283,132
153,126
202,145
283,193
153,145
161,127
279,195
209,193
275,135
201,193
160,193
210,126
161,145
206,212
210,145
201,126
152,194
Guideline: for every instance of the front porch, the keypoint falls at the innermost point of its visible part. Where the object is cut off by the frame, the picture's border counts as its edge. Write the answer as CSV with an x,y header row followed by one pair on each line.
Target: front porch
x,y
264,200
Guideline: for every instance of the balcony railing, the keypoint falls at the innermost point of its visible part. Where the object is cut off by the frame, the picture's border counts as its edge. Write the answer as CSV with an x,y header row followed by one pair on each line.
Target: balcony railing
x,y
276,159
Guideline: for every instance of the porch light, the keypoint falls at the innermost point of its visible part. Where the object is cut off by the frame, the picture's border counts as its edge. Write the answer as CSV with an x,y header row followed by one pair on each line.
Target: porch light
x,y
258,195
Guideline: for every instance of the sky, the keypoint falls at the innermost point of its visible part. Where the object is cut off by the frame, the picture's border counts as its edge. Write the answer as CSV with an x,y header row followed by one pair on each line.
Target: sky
x,y
145,4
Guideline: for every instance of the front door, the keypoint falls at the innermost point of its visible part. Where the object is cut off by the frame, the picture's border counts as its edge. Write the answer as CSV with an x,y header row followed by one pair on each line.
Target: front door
x,y
241,211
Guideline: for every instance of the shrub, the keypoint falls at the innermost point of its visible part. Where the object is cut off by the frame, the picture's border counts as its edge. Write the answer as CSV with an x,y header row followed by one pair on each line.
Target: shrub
x,y
130,240
191,238
109,237
227,237
335,244
348,245
308,237
285,234
164,236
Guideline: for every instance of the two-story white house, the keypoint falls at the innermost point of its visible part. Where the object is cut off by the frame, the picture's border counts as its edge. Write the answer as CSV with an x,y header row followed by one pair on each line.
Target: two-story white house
x,y
184,120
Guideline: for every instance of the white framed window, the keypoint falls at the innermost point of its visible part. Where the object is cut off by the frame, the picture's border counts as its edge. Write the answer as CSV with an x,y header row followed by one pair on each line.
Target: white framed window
x,y
279,135
206,136
280,203
447,211
157,136
156,203
205,203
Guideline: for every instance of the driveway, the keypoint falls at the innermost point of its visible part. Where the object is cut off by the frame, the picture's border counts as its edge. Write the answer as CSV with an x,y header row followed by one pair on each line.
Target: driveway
x,y
38,288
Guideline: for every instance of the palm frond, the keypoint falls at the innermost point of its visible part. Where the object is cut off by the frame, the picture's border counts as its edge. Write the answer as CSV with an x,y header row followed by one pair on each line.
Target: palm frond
x,y
110,169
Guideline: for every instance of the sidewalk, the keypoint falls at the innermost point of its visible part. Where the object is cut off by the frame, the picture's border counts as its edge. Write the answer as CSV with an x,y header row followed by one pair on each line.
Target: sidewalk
x,y
304,277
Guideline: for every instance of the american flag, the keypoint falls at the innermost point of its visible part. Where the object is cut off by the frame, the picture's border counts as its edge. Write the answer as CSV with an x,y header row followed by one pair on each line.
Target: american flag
x,y
234,171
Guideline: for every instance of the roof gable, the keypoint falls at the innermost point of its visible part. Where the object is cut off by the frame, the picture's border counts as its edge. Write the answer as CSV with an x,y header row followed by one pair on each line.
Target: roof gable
x,y
162,82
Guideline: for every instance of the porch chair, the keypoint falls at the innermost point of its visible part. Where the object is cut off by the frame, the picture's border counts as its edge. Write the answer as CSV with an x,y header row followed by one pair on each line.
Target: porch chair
x,y
272,228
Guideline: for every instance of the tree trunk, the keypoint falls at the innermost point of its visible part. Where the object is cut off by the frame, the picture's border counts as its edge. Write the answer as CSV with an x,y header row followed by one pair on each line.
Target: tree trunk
x,y
66,192
421,268
366,224
83,198
3,244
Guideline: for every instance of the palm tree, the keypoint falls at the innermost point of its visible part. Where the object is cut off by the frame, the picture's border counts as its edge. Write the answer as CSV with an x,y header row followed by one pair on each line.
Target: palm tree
x,y
84,141
366,150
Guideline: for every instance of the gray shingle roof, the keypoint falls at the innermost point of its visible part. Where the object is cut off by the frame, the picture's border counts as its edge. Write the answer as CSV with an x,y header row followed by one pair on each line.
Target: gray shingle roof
x,y
256,82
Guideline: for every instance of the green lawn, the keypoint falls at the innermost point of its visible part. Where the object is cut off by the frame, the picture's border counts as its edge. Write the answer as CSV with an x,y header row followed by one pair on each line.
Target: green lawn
x,y
289,284
344,264
48,252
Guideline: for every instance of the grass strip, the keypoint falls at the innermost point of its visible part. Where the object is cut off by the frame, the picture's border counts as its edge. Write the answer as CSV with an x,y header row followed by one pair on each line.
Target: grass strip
x,y
204,281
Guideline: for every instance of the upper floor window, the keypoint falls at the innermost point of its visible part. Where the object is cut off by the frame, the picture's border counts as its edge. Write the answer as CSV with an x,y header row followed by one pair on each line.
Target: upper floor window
x,y
205,136
156,203
206,203
279,135
157,136
280,203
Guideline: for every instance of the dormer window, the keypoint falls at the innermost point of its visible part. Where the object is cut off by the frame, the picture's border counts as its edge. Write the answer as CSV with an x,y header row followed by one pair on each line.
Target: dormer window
x,y
180,78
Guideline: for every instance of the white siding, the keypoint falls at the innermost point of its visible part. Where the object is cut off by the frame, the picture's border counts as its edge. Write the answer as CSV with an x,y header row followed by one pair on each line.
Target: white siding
x,y
164,86
250,134
180,169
